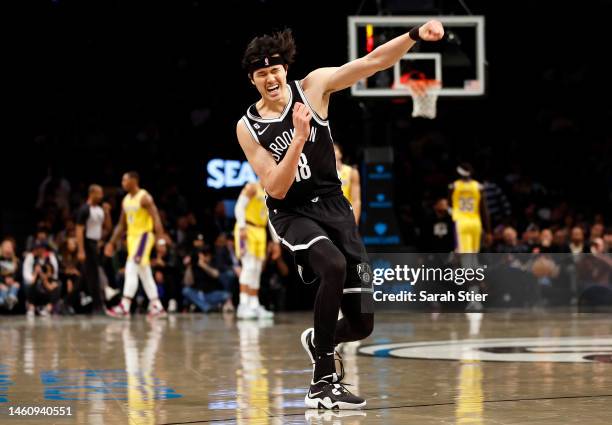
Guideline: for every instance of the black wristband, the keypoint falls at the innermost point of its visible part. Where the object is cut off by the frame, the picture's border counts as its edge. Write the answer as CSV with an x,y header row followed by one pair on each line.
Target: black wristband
x,y
414,34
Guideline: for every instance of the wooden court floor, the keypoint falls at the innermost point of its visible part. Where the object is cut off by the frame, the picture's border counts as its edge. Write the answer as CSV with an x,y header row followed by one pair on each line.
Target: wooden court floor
x,y
496,368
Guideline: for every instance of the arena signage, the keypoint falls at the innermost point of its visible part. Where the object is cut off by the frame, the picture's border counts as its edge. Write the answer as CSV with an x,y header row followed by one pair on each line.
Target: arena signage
x,y
224,173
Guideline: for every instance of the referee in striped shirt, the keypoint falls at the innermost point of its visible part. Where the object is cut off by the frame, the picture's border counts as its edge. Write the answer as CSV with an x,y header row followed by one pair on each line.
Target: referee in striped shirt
x,y
93,221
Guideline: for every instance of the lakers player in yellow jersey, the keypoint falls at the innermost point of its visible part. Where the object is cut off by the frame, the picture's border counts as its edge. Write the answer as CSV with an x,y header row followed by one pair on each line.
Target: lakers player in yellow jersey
x,y
139,217
351,185
468,205
251,242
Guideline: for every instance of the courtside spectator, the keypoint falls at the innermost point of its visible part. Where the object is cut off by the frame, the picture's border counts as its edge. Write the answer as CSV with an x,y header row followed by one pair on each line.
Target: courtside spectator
x,y
560,244
70,276
40,276
510,243
274,279
438,231
498,205
206,291
546,242
577,243
225,262
9,268
42,234
597,231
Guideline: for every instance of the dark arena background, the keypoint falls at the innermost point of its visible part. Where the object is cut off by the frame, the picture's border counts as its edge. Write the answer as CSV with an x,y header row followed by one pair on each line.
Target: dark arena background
x,y
106,87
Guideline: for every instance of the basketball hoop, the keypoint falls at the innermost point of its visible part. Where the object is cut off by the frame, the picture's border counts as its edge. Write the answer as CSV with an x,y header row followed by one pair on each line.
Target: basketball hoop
x,y
424,92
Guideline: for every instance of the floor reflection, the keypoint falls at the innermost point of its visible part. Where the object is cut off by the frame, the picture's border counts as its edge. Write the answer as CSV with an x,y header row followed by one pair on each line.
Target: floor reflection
x,y
343,417
470,398
141,384
206,369
252,378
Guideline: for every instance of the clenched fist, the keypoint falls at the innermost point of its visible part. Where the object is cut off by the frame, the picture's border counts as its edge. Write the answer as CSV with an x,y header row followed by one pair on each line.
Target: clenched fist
x,y
431,31
301,121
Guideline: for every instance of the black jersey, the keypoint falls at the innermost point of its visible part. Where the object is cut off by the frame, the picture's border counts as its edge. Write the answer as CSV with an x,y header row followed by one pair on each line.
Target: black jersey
x,y
316,174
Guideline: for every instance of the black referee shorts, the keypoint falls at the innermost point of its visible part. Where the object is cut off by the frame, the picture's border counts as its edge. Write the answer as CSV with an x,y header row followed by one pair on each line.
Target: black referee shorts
x,y
329,218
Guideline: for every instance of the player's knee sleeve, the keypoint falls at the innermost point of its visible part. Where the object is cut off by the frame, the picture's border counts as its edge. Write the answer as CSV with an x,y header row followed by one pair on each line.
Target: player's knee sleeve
x,y
251,272
256,282
255,277
148,282
130,284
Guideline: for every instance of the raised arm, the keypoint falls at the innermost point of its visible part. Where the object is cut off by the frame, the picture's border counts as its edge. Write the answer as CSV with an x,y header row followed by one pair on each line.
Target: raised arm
x,y
277,178
330,80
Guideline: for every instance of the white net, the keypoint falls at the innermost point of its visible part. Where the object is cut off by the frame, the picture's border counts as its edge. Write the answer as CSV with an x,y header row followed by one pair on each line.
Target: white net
x,y
424,97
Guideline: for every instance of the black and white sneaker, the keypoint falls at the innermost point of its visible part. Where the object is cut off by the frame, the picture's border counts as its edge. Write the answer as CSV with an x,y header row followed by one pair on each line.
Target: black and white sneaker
x,y
324,394
307,339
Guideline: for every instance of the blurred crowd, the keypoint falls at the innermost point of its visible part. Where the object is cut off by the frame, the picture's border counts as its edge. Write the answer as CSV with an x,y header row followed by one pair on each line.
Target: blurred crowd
x,y
47,275
564,235
565,261
43,272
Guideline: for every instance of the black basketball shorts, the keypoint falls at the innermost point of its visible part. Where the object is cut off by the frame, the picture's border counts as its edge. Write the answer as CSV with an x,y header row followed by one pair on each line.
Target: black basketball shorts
x,y
328,218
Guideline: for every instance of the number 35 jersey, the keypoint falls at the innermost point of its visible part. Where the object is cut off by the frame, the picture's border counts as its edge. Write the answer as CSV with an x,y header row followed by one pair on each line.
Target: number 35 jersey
x,y
316,175
466,199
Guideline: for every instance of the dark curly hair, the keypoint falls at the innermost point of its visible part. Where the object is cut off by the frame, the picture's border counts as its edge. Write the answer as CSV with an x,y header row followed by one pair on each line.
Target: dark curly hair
x,y
280,43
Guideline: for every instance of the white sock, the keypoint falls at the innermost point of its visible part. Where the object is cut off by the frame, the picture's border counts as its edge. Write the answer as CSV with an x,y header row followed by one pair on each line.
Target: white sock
x,y
244,299
253,301
126,303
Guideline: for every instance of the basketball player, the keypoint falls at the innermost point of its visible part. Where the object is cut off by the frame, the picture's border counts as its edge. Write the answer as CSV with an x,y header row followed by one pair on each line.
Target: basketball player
x,y
351,186
250,238
286,137
140,216
467,204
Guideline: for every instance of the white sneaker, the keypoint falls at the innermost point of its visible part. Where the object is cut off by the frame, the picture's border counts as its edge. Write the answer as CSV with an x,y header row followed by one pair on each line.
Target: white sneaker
x,y
245,312
85,299
11,301
262,313
172,306
156,313
118,312
30,313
